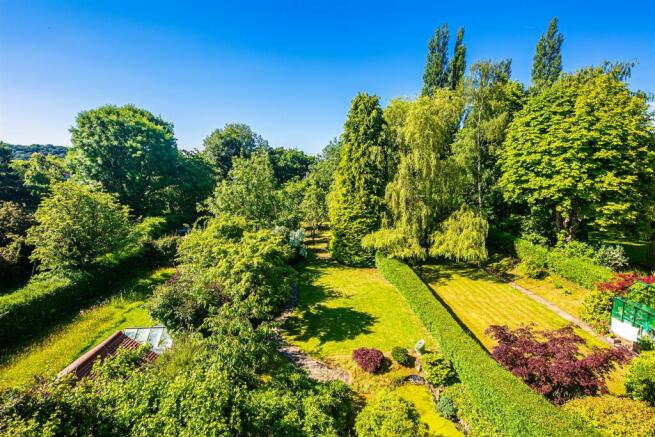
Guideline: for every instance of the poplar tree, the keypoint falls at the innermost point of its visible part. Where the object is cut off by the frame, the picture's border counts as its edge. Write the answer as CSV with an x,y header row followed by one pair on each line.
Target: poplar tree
x,y
547,64
457,64
436,65
356,200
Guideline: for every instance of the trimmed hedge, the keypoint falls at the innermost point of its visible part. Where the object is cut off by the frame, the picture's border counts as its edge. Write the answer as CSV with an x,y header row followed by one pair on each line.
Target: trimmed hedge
x,y
50,297
582,271
513,407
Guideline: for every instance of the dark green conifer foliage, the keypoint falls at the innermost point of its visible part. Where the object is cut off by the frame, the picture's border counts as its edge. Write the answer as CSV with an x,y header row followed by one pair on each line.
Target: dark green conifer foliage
x,y
436,64
457,64
356,199
547,64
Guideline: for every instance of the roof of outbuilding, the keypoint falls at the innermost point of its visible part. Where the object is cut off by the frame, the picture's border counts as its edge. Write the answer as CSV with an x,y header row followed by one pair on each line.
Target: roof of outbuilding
x,y
82,366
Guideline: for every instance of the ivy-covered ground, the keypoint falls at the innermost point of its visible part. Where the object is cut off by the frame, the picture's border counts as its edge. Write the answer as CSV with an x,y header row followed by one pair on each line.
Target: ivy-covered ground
x,y
57,348
341,309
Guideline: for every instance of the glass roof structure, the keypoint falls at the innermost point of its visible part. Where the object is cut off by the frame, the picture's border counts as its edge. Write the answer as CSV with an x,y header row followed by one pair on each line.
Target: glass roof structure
x,y
156,336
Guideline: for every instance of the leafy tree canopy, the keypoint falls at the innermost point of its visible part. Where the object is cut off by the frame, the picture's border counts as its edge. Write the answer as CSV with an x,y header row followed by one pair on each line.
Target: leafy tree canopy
x,y
75,225
234,140
547,63
290,164
583,148
129,151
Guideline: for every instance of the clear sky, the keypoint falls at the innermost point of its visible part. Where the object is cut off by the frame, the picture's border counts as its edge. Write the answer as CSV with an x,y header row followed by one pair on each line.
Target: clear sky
x,y
288,69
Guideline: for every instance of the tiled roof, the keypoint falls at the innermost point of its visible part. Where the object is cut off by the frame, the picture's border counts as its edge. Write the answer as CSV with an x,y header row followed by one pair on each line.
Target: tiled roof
x,y
82,366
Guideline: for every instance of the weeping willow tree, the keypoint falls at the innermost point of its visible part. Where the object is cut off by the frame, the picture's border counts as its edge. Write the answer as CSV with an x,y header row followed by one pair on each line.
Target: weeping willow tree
x,y
461,236
427,183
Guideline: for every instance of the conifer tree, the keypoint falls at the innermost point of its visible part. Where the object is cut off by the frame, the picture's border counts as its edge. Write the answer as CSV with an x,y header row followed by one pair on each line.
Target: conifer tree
x,y
436,65
457,64
356,199
547,64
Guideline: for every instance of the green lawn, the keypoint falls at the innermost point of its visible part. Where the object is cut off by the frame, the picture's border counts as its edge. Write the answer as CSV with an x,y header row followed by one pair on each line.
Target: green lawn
x,y
50,354
479,300
562,292
341,309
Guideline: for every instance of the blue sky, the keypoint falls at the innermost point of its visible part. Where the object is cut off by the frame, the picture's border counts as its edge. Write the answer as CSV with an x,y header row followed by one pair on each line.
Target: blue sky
x,y
287,68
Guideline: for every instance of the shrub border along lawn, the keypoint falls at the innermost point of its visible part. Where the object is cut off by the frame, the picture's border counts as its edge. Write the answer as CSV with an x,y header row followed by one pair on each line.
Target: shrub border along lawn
x,y
583,272
50,297
513,407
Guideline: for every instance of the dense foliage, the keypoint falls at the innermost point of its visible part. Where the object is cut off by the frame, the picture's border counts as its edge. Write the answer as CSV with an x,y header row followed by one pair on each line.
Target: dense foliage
x,y
356,198
613,416
234,140
554,367
640,378
129,151
583,149
75,226
438,369
401,355
503,401
390,416
24,152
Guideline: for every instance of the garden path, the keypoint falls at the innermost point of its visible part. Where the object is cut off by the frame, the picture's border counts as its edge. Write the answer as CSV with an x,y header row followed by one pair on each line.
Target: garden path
x,y
557,310
316,369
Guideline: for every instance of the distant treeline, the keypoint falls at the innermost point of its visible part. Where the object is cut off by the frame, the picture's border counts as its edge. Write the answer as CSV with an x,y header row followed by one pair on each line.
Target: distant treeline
x,y
23,153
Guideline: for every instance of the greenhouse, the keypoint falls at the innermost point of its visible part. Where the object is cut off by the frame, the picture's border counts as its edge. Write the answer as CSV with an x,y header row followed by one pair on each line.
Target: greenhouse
x,y
632,316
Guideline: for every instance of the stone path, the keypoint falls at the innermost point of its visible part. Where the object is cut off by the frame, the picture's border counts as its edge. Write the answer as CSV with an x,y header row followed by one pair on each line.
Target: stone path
x,y
551,306
316,369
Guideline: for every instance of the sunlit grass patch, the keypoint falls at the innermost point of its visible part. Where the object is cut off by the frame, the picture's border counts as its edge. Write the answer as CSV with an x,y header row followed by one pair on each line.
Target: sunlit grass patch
x,y
69,340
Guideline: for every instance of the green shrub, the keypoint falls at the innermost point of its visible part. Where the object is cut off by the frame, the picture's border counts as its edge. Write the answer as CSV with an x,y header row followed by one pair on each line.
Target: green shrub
x,y
501,241
390,416
534,258
438,369
477,423
596,309
401,355
583,271
614,416
640,378
51,296
612,257
500,397
646,343
446,408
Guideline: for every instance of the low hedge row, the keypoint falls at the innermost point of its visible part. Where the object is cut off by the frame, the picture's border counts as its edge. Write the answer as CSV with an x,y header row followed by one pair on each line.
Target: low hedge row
x,y
510,405
582,271
50,297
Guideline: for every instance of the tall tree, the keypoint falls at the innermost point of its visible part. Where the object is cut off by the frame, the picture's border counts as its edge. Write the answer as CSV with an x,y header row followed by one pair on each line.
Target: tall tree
x,y
492,100
436,64
457,65
75,225
584,149
356,199
290,164
249,191
547,63
428,184
129,151
223,145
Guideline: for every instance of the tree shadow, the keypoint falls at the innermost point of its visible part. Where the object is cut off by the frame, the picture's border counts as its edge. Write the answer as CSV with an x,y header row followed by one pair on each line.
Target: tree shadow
x,y
328,324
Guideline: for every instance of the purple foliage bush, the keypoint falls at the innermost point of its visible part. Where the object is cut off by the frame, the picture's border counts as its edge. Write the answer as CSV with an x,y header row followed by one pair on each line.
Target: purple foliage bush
x,y
368,359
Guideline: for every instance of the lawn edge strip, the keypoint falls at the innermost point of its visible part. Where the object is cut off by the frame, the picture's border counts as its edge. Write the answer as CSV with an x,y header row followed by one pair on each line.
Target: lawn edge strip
x,y
513,407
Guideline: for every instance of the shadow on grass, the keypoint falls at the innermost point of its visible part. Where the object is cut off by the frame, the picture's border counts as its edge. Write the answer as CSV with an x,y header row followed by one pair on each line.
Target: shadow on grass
x,y
440,275
328,324
132,287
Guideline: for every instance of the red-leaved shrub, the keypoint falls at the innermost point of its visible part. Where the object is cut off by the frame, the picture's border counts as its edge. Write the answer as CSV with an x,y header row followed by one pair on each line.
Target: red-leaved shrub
x,y
622,281
550,361
368,359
